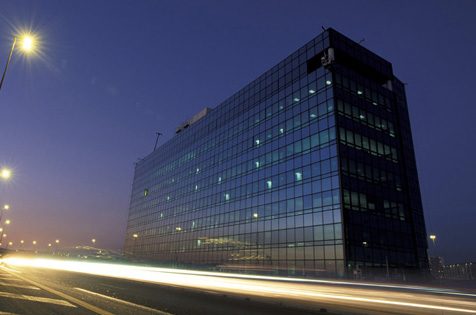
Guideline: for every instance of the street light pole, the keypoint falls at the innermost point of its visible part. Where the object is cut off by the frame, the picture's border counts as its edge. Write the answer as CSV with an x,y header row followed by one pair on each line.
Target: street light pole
x,y
135,236
8,61
433,237
27,43
5,207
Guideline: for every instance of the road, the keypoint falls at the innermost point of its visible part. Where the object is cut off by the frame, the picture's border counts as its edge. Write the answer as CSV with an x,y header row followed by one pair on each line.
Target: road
x,y
54,288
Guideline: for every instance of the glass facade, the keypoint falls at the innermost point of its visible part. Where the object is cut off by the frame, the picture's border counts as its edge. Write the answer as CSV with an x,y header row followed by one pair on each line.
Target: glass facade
x,y
307,171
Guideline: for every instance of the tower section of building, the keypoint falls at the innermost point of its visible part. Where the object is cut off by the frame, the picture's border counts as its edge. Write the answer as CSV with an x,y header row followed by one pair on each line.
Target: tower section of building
x,y
309,170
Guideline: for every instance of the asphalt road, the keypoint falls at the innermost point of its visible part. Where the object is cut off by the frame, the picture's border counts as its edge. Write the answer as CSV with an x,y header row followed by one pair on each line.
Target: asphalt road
x,y
33,290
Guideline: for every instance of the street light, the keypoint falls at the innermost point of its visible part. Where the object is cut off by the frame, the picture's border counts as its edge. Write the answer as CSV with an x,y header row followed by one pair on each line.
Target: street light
x,y
433,237
5,207
3,230
5,173
27,45
135,236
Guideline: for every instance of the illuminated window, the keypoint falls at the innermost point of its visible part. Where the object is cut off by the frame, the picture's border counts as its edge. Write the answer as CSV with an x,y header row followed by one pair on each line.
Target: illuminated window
x,y
359,92
298,176
257,164
227,196
328,82
296,99
312,91
270,184
146,192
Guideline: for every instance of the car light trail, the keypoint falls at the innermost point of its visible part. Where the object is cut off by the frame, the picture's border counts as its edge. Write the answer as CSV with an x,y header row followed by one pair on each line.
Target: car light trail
x,y
301,289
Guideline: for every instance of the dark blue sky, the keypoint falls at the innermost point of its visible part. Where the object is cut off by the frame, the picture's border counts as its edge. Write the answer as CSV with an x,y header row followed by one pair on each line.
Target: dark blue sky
x,y
110,74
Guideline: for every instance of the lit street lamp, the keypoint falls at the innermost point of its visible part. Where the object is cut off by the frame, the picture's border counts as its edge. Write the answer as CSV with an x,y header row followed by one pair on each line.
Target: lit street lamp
x,y
135,236
5,173
21,243
5,207
3,230
27,44
433,237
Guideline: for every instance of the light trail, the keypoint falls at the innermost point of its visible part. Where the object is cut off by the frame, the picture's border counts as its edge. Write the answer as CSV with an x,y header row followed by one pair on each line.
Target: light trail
x,y
301,289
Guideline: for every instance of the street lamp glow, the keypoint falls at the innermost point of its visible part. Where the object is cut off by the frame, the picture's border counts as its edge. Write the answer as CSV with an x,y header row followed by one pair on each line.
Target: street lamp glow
x,y
432,237
27,43
5,173
6,207
7,222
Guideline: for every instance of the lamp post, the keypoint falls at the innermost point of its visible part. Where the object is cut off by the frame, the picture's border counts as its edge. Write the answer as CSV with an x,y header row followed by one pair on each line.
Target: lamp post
x,y
135,236
56,248
5,207
21,243
27,43
433,237
3,230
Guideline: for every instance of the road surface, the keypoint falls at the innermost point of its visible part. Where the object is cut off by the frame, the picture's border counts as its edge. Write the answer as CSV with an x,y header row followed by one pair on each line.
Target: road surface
x,y
83,288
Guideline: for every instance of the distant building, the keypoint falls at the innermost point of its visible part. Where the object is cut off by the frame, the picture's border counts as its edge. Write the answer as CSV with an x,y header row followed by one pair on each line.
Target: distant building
x,y
309,170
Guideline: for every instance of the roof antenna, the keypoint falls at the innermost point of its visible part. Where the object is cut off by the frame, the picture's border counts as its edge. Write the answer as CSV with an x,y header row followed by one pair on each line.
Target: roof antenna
x,y
157,140
323,28
361,41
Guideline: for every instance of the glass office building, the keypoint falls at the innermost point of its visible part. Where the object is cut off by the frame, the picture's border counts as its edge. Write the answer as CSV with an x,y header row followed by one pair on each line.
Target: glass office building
x,y
309,170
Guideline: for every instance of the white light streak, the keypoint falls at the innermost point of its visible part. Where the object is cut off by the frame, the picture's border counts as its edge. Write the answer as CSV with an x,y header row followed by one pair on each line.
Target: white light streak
x,y
288,287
